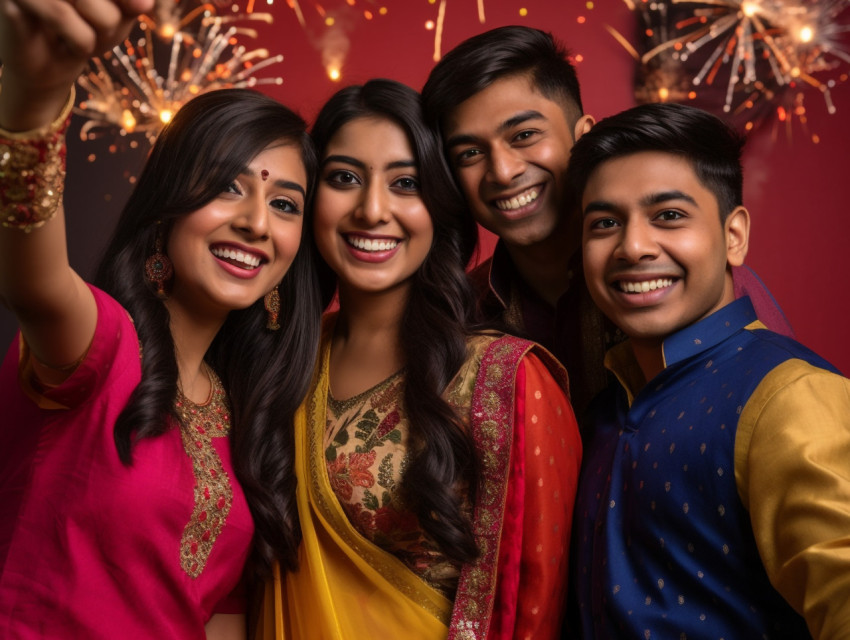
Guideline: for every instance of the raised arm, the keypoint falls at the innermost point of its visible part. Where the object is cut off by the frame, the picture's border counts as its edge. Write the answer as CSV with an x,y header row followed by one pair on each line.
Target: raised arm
x,y
44,45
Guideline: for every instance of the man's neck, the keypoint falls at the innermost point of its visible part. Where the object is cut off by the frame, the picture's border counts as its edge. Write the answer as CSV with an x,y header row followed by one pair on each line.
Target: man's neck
x,y
649,356
545,266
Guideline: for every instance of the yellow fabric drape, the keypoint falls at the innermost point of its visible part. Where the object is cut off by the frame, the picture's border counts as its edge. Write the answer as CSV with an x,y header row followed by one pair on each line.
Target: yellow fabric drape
x,y
346,587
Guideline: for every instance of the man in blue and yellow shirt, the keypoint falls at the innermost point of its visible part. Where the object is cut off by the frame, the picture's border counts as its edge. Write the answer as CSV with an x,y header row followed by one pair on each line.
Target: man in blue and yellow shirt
x,y
715,496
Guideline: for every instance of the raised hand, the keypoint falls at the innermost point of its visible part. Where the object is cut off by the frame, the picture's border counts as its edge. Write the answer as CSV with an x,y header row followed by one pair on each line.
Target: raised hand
x,y
45,44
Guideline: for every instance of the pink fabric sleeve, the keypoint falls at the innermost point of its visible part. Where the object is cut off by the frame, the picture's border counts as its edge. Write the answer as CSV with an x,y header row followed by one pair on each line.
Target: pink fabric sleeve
x,y
235,602
747,283
534,548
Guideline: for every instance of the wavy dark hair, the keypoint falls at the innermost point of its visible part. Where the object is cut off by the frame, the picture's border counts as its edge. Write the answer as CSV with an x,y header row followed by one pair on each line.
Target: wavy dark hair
x,y
436,320
499,53
711,146
266,373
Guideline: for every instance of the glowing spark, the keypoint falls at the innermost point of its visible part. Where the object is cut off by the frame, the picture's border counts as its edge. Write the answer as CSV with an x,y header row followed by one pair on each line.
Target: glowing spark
x,y
438,35
749,8
293,4
441,20
622,40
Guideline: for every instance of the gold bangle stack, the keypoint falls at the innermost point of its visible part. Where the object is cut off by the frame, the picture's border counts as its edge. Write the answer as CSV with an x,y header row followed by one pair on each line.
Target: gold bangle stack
x,y
32,172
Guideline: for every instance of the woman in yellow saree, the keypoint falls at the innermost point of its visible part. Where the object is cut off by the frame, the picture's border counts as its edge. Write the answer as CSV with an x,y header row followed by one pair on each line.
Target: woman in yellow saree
x,y
436,465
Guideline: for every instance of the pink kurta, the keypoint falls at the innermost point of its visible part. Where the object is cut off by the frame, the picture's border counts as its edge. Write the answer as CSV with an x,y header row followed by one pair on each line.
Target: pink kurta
x,y
91,548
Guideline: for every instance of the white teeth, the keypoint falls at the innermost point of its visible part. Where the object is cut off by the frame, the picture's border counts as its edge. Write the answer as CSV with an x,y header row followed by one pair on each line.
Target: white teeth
x,y
646,285
249,260
519,201
366,244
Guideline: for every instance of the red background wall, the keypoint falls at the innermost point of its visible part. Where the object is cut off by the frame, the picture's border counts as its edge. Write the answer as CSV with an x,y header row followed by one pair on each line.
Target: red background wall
x,y
796,189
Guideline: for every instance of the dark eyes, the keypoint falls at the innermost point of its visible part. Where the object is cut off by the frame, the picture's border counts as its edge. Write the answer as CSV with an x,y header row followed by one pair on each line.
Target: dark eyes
x,y
466,156
284,205
670,215
667,215
525,135
522,138
279,204
406,184
342,178
604,223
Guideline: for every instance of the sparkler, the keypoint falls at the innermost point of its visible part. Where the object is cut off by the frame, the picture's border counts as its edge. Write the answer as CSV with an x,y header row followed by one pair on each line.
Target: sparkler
x,y
753,51
328,27
126,90
441,20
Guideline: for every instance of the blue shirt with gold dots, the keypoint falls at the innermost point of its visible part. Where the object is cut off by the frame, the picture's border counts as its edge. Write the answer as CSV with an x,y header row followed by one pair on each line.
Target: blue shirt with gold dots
x,y
664,544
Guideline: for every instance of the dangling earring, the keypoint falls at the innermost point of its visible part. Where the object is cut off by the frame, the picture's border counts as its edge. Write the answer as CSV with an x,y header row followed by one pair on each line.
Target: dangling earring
x,y
158,267
272,304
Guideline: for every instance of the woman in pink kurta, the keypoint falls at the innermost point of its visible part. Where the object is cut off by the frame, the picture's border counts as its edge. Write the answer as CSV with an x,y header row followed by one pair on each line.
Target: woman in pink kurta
x,y
90,547
145,447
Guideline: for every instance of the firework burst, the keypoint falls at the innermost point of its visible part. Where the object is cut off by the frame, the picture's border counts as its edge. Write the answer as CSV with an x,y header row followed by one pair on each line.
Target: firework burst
x,y
128,91
741,57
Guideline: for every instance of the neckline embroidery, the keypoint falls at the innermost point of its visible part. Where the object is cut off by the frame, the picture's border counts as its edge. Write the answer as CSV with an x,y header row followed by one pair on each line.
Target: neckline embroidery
x,y
213,495
340,406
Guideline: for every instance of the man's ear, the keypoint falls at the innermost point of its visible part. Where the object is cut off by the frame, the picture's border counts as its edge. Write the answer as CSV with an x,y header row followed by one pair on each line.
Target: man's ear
x,y
583,125
737,231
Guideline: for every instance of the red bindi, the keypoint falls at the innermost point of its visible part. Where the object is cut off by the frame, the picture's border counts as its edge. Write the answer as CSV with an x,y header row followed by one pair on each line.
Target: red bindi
x,y
264,174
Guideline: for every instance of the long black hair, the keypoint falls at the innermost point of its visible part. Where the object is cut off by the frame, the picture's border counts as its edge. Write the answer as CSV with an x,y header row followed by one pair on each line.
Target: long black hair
x,y
436,320
266,373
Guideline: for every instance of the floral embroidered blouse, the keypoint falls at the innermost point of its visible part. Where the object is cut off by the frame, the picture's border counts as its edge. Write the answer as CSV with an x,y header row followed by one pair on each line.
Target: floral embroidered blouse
x,y
366,454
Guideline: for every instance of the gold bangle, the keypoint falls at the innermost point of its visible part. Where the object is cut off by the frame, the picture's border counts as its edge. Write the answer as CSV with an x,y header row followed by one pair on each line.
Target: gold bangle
x,y
40,132
32,172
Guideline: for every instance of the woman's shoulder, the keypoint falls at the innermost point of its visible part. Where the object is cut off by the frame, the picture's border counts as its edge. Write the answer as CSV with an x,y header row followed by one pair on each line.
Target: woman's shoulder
x,y
500,354
479,343
504,347
499,350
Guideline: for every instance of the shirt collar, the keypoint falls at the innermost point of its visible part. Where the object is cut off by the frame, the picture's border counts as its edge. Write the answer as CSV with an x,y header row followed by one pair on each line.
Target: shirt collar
x,y
684,344
709,331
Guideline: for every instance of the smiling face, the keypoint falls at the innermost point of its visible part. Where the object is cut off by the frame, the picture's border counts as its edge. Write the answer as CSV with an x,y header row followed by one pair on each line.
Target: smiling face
x,y
371,225
509,147
655,249
236,248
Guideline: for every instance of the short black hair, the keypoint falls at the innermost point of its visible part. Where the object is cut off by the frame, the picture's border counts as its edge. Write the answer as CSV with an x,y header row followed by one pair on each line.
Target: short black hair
x,y
712,147
481,60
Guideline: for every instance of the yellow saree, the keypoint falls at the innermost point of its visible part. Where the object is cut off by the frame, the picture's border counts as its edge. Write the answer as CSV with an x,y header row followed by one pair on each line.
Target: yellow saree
x,y
346,587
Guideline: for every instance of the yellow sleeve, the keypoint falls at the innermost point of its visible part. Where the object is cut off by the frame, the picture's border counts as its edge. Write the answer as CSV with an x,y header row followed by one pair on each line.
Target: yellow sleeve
x,y
792,468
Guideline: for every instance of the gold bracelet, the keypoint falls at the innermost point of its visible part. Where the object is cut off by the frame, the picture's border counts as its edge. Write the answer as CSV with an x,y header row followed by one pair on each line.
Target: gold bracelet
x,y
32,172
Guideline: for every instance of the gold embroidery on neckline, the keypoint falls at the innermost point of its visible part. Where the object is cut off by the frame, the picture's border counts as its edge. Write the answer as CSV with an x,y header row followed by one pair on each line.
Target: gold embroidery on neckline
x,y
341,406
199,424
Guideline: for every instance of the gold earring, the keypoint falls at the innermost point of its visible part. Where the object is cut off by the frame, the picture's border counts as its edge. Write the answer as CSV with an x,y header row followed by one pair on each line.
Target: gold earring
x,y
272,304
158,268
